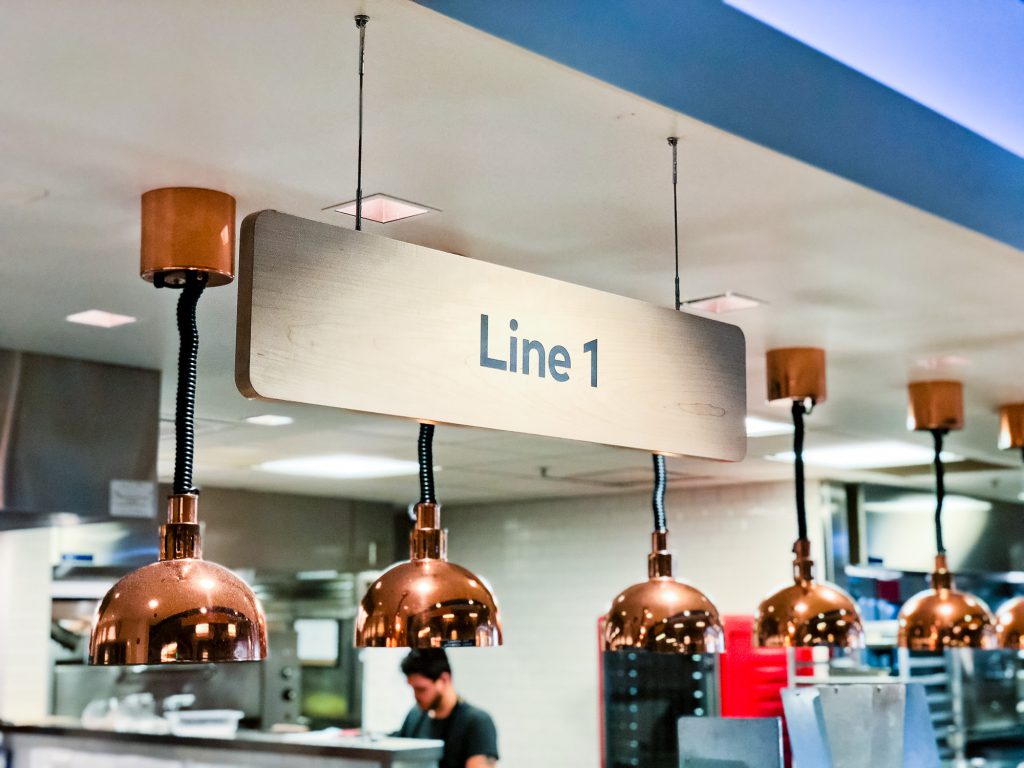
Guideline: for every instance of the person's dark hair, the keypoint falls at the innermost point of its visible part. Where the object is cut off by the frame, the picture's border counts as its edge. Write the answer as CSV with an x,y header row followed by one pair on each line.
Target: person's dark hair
x,y
429,662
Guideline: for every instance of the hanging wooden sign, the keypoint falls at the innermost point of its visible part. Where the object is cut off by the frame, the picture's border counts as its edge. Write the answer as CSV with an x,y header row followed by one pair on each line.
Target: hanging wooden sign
x,y
335,317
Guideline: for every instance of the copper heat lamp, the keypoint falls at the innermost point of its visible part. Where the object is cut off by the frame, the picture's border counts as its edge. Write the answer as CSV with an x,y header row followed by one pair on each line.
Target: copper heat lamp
x,y
662,614
807,612
425,601
1010,616
942,616
182,608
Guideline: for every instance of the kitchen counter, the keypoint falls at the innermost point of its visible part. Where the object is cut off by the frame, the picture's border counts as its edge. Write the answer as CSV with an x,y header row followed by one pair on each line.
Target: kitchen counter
x,y
43,746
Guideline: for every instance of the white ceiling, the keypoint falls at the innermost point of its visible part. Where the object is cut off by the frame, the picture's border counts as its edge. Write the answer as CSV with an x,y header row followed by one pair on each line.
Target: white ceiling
x,y
532,165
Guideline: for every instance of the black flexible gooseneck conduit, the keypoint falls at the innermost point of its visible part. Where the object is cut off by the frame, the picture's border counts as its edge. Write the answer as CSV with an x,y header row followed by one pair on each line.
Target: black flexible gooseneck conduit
x,y
426,456
188,359
658,498
799,409
940,489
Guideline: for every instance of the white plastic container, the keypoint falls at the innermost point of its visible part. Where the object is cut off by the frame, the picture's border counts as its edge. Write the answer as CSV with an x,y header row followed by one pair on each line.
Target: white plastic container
x,y
205,723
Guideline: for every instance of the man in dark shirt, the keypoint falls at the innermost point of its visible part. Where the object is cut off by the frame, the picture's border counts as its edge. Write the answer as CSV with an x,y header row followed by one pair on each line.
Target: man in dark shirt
x,y
470,740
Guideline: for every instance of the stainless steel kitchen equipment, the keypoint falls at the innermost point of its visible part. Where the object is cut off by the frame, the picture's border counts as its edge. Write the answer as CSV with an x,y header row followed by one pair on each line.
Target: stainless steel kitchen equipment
x,y
267,692
78,440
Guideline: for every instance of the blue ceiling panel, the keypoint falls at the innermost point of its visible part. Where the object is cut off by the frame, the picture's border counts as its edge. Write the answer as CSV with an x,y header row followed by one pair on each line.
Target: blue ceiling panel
x,y
712,62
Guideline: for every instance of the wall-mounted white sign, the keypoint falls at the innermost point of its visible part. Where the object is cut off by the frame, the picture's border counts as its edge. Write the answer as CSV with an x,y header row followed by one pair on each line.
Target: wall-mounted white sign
x,y
340,318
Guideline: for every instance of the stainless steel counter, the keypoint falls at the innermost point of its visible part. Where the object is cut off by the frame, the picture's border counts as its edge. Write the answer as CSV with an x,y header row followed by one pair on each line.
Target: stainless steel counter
x,y
46,746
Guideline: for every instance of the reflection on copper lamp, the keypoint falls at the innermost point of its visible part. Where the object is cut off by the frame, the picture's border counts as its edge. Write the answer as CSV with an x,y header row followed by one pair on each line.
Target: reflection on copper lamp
x,y
807,612
1010,616
425,601
182,608
662,614
942,616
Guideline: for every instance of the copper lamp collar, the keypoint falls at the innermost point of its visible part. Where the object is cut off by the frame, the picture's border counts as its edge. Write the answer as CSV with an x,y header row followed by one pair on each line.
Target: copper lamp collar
x,y
428,540
659,561
803,565
181,536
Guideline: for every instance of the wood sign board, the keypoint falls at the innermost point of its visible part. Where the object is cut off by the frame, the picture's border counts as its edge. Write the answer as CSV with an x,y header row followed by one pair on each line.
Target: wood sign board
x,y
346,319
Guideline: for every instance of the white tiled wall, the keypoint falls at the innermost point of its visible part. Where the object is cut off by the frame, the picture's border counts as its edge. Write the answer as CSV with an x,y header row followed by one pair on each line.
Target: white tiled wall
x,y
24,623
556,565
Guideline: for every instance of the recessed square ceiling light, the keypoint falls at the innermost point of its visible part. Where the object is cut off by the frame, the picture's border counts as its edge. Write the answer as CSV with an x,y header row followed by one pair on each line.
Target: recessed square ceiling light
x,y
882,455
99,318
342,466
723,302
758,427
383,208
270,420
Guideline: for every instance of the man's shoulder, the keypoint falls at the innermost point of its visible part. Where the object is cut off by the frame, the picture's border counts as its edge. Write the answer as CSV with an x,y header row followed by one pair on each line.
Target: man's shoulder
x,y
412,718
473,713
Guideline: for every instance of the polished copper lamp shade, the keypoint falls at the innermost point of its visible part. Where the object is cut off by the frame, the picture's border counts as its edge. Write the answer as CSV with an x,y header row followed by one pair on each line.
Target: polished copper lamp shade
x,y
944,617
1010,624
180,609
808,613
662,614
427,602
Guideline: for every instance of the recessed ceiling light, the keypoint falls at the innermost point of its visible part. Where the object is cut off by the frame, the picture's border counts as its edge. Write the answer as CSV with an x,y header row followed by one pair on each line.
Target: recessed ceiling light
x,y
723,302
879,455
925,503
100,318
940,362
343,466
383,208
270,420
758,427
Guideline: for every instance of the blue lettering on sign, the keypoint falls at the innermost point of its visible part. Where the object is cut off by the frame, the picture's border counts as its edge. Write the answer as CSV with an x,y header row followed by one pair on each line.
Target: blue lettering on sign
x,y
532,357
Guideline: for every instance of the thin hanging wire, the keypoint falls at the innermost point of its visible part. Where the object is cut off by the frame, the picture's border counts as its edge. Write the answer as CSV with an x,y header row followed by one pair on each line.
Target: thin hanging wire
x,y
673,142
361,22
799,410
426,456
188,363
658,498
940,489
